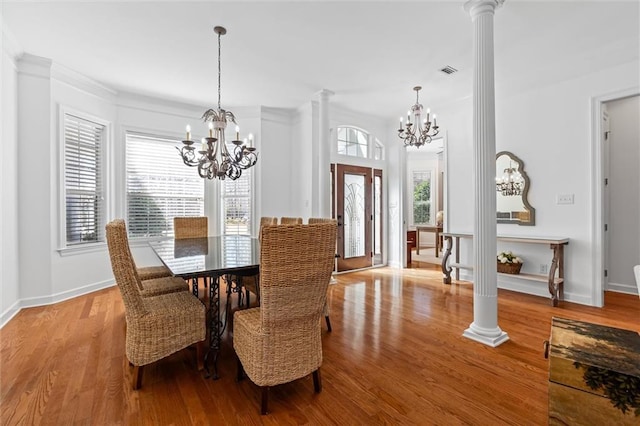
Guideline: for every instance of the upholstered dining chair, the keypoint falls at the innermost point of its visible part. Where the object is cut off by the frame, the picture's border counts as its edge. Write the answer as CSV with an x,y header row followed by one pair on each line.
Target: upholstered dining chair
x,y
190,227
290,221
151,286
636,271
157,326
275,345
332,282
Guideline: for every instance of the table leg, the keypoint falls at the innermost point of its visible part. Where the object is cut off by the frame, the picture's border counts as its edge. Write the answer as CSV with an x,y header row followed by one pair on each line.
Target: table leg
x,y
215,327
194,286
437,243
446,269
417,241
557,263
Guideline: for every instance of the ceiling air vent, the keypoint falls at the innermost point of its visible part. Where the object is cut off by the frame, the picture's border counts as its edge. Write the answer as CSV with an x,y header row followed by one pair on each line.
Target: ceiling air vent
x,y
448,70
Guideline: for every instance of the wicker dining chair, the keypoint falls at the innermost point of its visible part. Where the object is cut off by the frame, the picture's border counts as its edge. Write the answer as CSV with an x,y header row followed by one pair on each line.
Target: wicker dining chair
x,y
250,283
332,282
151,286
156,326
153,272
190,227
290,221
280,341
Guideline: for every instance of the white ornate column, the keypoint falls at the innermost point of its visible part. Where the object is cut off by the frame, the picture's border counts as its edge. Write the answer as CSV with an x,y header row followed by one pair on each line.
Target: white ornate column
x,y
324,155
484,327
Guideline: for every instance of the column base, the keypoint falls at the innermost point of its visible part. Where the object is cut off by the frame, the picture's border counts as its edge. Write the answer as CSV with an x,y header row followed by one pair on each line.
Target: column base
x,y
492,338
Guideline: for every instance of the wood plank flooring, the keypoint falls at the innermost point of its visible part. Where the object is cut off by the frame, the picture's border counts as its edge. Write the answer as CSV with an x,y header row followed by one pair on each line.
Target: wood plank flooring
x,y
396,356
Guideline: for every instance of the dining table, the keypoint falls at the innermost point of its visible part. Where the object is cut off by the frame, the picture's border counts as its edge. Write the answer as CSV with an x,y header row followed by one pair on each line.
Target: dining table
x,y
217,259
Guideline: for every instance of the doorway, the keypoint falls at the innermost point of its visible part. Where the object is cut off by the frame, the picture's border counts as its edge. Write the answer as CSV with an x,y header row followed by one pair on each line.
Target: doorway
x,y
359,213
621,192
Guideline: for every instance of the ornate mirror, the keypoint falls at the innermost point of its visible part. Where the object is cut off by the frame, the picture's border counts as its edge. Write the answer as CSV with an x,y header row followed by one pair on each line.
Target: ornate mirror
x,y
512,186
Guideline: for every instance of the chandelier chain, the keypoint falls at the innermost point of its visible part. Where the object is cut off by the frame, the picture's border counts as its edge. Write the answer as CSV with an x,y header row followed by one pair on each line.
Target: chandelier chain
x,y
219,70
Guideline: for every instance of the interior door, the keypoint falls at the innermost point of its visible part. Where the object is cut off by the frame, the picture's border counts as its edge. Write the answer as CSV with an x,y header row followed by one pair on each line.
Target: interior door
x,y
354,215
606,194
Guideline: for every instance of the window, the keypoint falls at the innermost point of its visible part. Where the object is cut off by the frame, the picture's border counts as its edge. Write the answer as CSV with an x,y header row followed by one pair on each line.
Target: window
x,y
422,198
236,204
159,186
83,180
378,150
352,142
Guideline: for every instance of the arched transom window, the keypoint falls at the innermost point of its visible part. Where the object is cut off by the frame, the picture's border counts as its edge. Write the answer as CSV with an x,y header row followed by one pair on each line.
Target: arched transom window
x,y
353,142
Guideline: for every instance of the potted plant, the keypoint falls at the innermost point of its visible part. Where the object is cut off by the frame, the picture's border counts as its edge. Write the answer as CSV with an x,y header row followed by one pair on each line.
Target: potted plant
x,y
509,263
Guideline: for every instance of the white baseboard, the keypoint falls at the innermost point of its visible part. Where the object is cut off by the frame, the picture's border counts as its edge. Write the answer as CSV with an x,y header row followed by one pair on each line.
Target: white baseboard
x,y
9,313
31,302
622,288
535,289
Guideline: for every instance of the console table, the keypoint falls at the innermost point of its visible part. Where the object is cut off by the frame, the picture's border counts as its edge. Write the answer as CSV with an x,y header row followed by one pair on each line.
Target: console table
x,y
435,229
555,282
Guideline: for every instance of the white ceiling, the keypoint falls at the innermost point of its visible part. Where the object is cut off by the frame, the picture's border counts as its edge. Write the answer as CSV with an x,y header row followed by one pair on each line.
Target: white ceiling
x,y
279,54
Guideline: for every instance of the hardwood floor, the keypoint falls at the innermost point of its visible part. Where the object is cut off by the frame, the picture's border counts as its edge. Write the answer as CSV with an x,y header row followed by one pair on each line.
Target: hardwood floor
x,y
396,356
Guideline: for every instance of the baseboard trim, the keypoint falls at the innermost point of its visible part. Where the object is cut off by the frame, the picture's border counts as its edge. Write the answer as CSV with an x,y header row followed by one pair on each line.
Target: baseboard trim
x,y
32,302
9,313
539,289
622,288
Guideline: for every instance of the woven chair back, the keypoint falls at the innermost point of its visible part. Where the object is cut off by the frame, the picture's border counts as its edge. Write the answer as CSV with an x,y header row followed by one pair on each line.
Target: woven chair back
x,y
266,221
320,220
296,262
190,227
290,221
124,269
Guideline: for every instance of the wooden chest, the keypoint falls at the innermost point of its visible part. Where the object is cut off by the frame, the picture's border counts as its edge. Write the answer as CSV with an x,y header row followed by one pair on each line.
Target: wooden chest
x,y
594,374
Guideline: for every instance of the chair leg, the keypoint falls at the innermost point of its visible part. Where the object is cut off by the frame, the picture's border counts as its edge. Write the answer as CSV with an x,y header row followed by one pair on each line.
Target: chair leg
x,y
137,376
265,399
200,355
240,369
317,381
328,323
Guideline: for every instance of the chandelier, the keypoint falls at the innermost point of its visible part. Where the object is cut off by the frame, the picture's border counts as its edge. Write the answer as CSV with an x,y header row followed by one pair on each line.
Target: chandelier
x,y
510,183
215,160
418,132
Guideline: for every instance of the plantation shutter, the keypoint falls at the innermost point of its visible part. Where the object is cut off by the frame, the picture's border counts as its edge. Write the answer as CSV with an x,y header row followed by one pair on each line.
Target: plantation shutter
x,y
159,186
83,180
236,195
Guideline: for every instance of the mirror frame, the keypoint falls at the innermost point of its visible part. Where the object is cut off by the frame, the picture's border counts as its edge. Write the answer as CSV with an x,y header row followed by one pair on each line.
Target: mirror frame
x,y
525,192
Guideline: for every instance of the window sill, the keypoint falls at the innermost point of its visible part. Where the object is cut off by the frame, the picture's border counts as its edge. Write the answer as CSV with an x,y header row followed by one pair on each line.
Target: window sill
x,y
82,249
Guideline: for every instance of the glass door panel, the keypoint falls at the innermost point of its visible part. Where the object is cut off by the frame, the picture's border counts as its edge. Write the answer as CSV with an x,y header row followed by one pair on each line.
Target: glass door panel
x,y
354,206
377,217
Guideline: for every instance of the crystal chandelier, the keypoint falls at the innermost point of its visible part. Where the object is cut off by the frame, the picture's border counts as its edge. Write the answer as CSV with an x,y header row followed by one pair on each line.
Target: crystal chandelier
x,y
510,183
418,132
215,160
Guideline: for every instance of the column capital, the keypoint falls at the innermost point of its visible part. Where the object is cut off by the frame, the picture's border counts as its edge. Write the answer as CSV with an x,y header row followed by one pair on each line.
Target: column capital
x,y
476,8
324,94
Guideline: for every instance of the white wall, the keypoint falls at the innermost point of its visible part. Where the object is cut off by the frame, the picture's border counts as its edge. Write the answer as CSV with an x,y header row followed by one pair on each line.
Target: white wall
x,y
277,165
9,244
549,128
624,192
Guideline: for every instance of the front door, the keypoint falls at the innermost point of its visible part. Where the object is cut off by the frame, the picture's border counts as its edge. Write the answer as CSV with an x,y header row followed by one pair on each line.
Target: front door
x,y
354,215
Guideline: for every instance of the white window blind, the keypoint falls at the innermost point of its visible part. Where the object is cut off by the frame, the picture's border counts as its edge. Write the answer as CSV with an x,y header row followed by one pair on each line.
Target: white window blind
x,y
83,180
236,201
159,186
